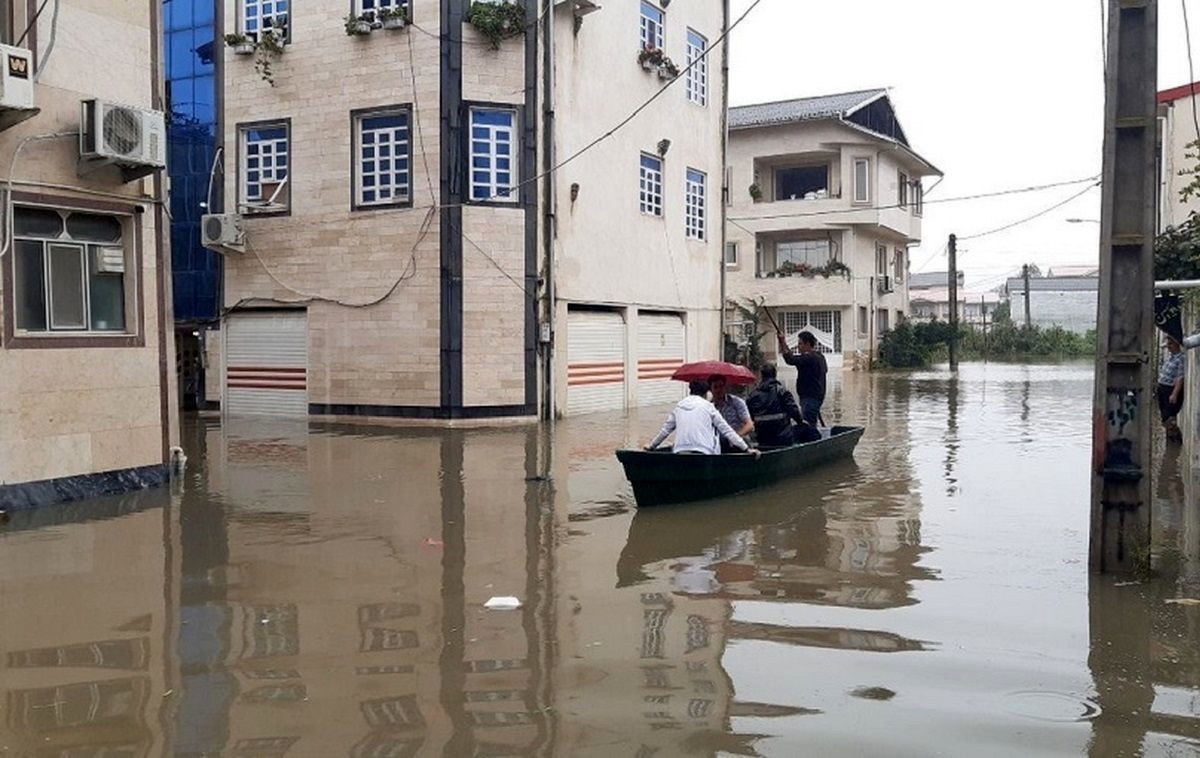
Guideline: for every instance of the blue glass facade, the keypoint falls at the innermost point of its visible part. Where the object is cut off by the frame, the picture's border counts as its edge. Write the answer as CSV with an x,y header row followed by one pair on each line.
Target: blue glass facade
x,y
189,28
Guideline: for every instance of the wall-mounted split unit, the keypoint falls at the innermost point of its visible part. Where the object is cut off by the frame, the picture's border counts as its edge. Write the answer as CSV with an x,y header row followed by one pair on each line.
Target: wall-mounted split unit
x,y
222,232
131,138
16,86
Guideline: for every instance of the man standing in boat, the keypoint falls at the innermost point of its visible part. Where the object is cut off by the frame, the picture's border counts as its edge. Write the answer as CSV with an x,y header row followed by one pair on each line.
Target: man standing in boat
x,y
811,369
698,427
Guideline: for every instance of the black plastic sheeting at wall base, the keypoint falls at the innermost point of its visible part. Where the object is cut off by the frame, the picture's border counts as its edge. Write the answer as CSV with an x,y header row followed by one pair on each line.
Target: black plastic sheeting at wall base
x,y
29,495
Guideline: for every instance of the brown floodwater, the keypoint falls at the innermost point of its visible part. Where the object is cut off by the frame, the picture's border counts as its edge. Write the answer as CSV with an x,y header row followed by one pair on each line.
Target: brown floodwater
x,y
319,590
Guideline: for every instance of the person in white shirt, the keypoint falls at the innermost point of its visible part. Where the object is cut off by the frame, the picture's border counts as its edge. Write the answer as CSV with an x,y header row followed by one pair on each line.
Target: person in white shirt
x,y
698,427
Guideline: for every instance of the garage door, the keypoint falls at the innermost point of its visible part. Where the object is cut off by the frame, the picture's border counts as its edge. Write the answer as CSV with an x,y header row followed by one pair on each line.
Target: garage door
x,y
595,362
266,364
661,351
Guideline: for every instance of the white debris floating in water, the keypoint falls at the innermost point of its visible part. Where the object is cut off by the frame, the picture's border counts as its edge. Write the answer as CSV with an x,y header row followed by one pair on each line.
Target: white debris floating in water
x,y
502,603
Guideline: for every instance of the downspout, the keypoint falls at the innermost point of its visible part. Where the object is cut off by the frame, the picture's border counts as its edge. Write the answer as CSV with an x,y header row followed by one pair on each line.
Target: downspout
x,y
549,225
728,191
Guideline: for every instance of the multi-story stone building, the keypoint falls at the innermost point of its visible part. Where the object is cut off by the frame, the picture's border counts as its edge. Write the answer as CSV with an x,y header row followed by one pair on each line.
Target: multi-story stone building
x,y
434,225
826,200
85,351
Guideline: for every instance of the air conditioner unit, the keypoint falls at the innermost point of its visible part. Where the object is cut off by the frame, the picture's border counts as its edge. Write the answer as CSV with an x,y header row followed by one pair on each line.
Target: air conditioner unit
x,y
16,86
222,232
885,285
109,260
124,135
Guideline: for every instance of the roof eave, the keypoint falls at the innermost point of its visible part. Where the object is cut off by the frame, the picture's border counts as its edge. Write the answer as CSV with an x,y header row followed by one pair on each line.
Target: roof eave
x,y
932,170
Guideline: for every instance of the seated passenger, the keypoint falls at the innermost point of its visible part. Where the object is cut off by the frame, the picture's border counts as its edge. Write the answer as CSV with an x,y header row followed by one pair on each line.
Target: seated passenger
x,y
732,408
698,427
773,410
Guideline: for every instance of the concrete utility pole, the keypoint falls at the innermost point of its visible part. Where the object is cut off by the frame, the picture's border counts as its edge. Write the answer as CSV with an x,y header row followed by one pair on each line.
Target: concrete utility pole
x,y
953,252
1028,315
1123,428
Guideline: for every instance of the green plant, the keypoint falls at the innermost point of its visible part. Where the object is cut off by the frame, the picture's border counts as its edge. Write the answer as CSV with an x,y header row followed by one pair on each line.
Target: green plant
x,y
747,350
268,49
358,26
233,40
1177,251
385,14
756,192
497,21
831,268
657,59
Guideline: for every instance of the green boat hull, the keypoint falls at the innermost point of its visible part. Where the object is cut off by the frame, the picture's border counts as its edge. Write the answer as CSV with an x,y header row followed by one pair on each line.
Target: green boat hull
x,y
661,477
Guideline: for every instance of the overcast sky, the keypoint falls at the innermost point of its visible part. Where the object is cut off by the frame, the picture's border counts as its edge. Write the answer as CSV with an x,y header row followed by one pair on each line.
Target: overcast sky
x,y
996,95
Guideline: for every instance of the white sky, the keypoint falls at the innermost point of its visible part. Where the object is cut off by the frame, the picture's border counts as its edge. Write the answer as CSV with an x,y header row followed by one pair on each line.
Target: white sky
x,y
996,95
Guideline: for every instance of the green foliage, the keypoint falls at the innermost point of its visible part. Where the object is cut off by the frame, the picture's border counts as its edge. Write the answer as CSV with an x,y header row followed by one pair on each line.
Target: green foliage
x,y
747,351
497,21
756,193
832,268
915,345
357,26
1177,250
903,348
384,14
1192,188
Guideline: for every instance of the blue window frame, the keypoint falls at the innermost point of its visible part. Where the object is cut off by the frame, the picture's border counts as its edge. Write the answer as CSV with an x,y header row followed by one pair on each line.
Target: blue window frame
x,y
695,194
265,159
652,26
493,155
383,163
650,194
258,15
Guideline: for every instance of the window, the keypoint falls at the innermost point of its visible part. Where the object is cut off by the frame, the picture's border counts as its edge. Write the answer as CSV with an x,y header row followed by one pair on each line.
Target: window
x,y
898,266
697,73
265,158
862,180
650,196
902,187
365,6
881,260
881,322
731,254
259,15
864,323
382,174
694,194
813,253
826,326
919,197
652,26
493,152
802,183
69,271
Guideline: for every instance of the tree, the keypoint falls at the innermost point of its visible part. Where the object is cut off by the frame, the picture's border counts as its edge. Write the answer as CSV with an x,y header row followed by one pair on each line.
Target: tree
x,y
747,349
1003,313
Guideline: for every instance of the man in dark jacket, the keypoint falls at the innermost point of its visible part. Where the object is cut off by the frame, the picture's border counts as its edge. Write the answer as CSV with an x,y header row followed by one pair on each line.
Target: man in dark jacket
x,y
773,410
811,369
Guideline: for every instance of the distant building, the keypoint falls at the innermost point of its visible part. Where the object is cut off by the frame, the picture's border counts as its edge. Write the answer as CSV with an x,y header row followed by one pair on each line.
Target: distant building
x,y
932,280
1066,301
826,200
1178,130
1086,270
933,304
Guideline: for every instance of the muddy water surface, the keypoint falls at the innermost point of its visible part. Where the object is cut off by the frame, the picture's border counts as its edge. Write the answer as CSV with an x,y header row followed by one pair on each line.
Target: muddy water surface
x,y
318,591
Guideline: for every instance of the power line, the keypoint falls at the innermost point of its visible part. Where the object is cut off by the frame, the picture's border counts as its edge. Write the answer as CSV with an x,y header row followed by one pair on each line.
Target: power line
x,y
1187,31
1037,215
961,198
1103,40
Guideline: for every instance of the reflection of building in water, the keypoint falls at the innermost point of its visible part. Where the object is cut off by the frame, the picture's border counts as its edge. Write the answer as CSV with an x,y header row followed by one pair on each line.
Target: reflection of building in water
x,y
85,610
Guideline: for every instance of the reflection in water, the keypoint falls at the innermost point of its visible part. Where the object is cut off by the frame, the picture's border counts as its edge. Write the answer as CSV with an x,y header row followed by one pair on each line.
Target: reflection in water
x,y
319,592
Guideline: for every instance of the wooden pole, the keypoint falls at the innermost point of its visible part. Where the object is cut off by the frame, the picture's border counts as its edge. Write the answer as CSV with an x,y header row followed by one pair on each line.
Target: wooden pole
x,y
1028,315
953,253
1123,410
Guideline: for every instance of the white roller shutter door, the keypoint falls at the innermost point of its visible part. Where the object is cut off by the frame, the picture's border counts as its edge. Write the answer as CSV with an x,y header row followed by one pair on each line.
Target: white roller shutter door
x,y
661,350
266,364
595,362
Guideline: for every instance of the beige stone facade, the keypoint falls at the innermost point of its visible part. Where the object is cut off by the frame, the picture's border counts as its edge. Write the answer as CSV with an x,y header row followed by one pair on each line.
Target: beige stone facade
x,y
83,395
831,189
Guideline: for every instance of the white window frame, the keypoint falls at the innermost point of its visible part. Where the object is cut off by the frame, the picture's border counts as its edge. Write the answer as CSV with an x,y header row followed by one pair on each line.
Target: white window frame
x,y
731,261
652,26
898,266
695,205
902,189
697,72
496,191
862,183
87,249
276,8
276,149
806,248
918,197
881,259
650,185
398,150
360,6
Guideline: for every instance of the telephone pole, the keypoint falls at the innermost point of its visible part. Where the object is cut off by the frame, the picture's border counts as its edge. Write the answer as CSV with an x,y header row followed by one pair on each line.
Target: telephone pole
x,y
1028,316
953,253
1123,411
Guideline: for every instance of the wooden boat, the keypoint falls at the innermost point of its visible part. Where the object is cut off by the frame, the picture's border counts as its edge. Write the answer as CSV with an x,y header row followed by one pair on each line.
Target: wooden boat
x,y
660,477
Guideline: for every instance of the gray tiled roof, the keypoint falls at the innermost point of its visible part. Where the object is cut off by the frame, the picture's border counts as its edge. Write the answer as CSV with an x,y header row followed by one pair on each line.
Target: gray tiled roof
x,y
932,279
1056,284
803,109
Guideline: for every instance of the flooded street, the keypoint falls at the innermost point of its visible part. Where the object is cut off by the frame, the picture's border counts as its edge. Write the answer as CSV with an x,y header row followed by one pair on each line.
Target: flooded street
x,y
319,591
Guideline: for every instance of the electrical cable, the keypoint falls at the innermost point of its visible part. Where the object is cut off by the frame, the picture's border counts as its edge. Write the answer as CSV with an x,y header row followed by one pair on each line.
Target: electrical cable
x,y
1103,40
1037,215
1187,31
32,22
8,194
41,67
960,198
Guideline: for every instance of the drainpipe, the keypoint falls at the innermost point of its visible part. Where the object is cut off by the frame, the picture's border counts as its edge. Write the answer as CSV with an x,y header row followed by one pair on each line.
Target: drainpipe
x,y
728,194
549,225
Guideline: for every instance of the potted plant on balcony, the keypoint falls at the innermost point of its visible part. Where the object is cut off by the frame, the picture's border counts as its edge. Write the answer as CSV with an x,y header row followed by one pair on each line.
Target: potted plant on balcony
x,y
756,193
393,18
496,21
649,57
358,26
240,44
269,47
836,268
667,69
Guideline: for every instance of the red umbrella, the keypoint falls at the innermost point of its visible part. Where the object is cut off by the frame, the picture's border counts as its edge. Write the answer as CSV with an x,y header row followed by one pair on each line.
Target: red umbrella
x,y
702,370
